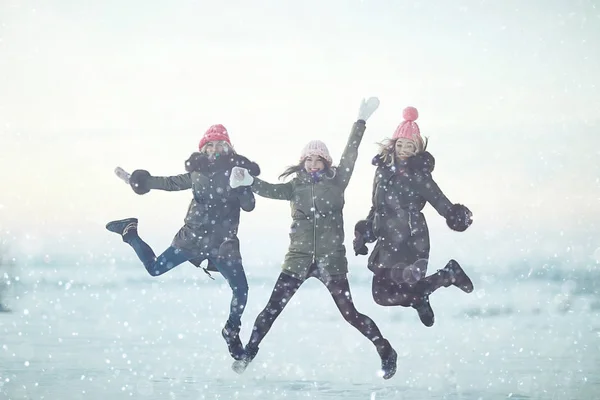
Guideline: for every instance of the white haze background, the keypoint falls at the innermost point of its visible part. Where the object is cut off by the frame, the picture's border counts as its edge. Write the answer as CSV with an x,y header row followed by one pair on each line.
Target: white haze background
x,y
508,94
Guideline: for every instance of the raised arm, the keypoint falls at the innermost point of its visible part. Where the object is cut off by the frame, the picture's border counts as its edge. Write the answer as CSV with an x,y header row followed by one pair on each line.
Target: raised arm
x,y
350,154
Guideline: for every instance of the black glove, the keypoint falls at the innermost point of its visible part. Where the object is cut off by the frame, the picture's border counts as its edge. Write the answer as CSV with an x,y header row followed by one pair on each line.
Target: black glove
x,y
459,218
363,233
359,245
365,228
197,162
246,197
139,181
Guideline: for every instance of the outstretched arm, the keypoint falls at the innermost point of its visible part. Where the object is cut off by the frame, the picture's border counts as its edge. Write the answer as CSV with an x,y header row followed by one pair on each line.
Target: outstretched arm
x,y
277,191
170,183
426,187
142,182
458,217
240,177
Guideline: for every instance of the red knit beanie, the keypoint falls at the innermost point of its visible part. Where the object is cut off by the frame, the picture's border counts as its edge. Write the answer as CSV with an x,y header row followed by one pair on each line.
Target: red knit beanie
x,y
215,133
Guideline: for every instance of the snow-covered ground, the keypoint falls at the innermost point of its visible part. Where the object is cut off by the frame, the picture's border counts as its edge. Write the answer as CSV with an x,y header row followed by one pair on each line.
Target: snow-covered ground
x,y
113,332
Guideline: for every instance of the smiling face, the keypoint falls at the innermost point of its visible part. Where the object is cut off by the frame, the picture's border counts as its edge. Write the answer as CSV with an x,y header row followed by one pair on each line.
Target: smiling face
x,y
405,148
215,148
314,164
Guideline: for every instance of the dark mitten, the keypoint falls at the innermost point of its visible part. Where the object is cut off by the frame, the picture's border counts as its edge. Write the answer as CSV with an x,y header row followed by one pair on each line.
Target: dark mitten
x,y
363,233
241,161
365,228
139,181
423,162
459,218
242,191
198,162
359,245
246,197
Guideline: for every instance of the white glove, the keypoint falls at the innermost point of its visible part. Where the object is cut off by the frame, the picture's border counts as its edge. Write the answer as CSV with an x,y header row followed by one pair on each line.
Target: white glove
x,y
122,174
240,177
367,108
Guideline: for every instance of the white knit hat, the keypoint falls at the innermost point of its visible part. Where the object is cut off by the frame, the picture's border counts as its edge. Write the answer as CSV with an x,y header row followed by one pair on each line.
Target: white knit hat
x,y
316,148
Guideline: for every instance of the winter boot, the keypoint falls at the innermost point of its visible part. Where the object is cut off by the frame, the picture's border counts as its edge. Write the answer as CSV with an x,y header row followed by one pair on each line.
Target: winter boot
x,y
457,276
388,356
231,335
425,312
123,227
240,365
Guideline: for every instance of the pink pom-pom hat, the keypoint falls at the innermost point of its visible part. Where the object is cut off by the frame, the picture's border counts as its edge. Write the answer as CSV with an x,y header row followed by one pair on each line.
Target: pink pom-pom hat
x,y
408,129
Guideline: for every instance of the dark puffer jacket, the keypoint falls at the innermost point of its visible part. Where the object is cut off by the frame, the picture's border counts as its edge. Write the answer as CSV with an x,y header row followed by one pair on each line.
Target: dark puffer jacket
x,y
396,221
213,216
317,230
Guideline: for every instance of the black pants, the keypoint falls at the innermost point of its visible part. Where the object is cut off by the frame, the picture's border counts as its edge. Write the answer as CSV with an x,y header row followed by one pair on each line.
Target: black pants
x,y
338,286
388,290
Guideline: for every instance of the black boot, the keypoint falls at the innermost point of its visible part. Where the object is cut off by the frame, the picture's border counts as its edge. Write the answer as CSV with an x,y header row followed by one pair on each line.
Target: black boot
x,y
456,276
389,357
231,334
240,365
123,227
425,312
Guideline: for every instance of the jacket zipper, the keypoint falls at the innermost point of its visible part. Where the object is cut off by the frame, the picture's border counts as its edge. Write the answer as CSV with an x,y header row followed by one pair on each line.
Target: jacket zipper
x,y
312,192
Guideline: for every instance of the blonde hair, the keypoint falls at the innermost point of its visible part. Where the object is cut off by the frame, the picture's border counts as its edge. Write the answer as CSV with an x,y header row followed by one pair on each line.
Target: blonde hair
x,y
387,149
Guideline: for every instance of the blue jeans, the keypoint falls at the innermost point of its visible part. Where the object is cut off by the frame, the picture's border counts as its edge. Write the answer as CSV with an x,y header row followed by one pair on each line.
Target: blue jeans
x,y
172,257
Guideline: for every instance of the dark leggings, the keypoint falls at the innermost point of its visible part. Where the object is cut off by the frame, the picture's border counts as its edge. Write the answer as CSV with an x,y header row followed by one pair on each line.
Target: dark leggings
x,y
388,290
233,272
286,286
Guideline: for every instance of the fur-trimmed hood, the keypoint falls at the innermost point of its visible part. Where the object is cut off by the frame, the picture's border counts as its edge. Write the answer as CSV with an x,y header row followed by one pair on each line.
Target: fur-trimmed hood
x,y
199,162
423,161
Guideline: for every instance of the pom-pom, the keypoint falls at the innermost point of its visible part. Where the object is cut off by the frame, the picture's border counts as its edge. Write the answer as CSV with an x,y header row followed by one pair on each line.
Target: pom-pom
x,y
410,114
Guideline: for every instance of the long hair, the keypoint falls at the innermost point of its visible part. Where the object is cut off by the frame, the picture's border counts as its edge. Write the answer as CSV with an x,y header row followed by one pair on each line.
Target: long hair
x,y
387,149
295,169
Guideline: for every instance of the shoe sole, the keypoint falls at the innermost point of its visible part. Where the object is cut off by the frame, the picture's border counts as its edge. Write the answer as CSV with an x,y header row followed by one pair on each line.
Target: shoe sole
x,y
111,226
239,366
